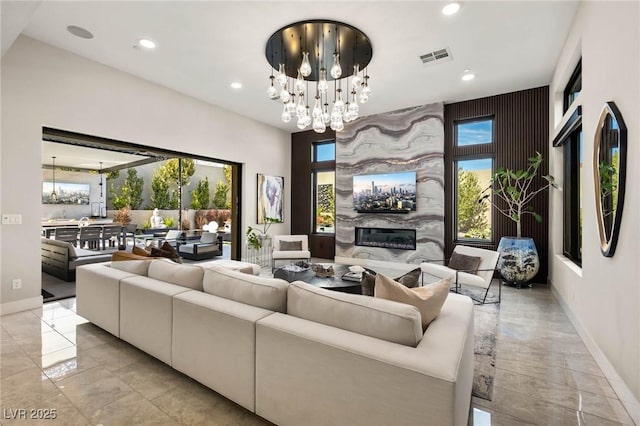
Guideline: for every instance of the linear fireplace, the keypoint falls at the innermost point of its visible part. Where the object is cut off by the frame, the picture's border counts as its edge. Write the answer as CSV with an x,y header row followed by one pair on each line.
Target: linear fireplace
x,y
402,239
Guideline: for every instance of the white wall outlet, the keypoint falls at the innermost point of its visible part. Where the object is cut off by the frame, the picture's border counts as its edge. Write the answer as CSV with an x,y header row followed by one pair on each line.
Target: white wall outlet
x,y
11,219
16,284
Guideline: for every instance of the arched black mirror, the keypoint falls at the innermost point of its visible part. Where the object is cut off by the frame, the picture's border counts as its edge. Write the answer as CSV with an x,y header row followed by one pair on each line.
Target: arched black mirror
x,y
609,164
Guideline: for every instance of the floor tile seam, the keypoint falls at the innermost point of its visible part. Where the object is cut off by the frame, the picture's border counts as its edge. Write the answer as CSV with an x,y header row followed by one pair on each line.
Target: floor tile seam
x,y
160,406
82,413
3,377
529,399
564,383
117,400
85,418
585,410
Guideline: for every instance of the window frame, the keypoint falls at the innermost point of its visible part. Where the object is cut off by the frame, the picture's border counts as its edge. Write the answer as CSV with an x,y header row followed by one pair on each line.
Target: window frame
x,y
456,160
569,89
572,196
320,167
490,118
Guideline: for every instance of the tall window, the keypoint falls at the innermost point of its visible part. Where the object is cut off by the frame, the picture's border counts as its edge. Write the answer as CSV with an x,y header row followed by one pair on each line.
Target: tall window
x,y
573,197
472,179
473,216
323,180
570,138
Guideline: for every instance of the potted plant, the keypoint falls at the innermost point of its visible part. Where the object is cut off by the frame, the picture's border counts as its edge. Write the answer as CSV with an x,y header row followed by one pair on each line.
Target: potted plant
x,y
256,236
519,261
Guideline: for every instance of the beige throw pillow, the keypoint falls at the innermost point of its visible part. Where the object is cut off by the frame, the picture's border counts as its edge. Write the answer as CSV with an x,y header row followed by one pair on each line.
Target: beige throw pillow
x,y
428,299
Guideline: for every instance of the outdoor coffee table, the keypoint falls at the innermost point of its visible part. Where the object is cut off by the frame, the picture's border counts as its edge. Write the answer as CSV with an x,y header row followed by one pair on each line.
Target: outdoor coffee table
x,y
335,282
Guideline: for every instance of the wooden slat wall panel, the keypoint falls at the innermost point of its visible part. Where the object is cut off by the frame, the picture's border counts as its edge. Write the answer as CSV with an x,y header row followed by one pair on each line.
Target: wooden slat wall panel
x,y
521,127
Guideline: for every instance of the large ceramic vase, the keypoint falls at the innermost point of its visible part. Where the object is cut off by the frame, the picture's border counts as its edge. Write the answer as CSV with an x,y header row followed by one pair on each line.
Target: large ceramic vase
x,y
519,261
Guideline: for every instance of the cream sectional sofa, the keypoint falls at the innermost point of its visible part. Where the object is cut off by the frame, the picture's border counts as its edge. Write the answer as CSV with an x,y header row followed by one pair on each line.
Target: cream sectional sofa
x,y
291,353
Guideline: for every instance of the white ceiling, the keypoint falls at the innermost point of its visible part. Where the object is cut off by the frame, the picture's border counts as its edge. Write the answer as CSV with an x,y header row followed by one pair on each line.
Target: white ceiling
x,y
80,157
202,46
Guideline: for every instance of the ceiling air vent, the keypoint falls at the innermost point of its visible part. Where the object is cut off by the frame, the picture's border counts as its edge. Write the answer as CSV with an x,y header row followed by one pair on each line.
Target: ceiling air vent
x,y
440,55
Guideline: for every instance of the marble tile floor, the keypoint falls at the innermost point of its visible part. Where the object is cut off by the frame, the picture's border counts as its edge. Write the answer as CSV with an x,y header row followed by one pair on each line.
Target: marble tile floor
x,y
52,359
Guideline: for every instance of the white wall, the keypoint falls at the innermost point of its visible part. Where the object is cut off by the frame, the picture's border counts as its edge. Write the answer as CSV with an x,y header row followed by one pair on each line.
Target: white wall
x,y
603,297
46,86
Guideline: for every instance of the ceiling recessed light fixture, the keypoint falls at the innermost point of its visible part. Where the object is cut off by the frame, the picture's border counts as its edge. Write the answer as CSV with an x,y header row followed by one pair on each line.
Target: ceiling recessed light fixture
x,y
147,44
451,9
79,32
468,75
236,85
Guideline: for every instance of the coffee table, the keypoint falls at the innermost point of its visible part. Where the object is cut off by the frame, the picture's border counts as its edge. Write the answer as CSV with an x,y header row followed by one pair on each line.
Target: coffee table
x,y
335,283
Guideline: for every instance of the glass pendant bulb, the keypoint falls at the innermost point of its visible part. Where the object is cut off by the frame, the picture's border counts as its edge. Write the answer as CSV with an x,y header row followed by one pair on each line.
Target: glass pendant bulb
x,y
363,98
284,95
323,86
307,117
337,125
353,106
346,115
286,116
272,92
301,107
366,90
325,115
317,109
305,68
318,125
300,123
339,103
336,69
282,76
291,105
356,80
299,82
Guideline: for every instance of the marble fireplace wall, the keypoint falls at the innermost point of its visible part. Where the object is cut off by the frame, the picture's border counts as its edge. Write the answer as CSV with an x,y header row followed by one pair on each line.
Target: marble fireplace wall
x,y
403,140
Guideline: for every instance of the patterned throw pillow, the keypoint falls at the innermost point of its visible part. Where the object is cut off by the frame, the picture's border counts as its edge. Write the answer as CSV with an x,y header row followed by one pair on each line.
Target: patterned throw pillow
x,y
140,251
462,262
166,250
290,245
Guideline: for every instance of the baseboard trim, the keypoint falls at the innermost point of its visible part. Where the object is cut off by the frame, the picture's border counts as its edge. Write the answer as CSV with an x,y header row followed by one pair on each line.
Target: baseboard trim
x,y
630,402
20,305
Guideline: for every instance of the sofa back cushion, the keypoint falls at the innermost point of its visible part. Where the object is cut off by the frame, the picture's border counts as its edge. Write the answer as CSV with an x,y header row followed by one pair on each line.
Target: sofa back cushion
x,y
383,319
184,275
138,267
262,292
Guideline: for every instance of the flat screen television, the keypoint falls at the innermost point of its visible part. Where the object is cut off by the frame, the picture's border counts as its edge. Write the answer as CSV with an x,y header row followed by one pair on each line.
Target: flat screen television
x,y
385,192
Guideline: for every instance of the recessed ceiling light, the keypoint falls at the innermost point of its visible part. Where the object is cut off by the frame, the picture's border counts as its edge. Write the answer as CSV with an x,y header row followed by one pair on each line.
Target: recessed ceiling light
x,y
147,44
468,75
79,32
451,9
236,85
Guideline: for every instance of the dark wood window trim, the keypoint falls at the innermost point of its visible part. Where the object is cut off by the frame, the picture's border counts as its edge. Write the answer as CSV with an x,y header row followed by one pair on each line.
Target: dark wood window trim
x,y
570,88
471,241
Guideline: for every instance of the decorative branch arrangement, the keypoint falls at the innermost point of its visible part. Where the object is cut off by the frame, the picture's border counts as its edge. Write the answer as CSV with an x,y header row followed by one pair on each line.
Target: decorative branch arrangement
x,y
515,188
255,235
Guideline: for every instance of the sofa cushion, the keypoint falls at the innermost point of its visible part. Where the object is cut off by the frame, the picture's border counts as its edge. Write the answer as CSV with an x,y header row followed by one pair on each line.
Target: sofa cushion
x,y
462,262
428,299
138,267
184,275
262,292
379,318
72,252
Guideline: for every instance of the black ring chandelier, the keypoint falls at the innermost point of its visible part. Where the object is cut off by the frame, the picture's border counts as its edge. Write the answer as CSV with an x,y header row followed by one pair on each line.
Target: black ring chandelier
x,y
319,51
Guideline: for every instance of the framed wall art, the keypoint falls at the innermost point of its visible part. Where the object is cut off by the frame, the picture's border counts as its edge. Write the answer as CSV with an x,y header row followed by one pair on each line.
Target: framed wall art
x,y
270,198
